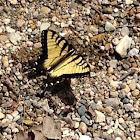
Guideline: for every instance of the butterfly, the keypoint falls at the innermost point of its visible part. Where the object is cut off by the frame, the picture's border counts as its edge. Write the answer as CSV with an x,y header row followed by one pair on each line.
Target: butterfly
x,y
61,58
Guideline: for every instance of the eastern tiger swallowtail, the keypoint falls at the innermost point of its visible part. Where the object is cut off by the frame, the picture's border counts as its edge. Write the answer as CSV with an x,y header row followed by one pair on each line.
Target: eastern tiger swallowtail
x,y
61,58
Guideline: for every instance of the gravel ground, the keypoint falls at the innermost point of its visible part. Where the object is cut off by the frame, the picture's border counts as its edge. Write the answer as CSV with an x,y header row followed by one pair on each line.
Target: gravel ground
x,y
104,105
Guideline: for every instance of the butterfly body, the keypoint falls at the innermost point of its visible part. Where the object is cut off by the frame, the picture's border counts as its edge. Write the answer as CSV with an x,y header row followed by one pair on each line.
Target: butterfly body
x,y
61,58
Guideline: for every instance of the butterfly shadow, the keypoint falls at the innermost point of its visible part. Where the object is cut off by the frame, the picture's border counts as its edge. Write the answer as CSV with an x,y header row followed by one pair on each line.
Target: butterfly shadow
x,y
59,86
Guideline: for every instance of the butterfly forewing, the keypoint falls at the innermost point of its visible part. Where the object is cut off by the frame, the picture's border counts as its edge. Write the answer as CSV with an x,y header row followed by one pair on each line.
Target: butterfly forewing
x,y
62,59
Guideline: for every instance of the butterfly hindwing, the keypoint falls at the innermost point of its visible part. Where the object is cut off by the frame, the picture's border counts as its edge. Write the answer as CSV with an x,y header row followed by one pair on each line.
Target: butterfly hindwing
x,y
61,57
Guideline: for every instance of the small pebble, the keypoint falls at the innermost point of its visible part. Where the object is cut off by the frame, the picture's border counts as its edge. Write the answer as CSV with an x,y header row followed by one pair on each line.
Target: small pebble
x,y
133,84
81,110
76,124
138,16
128,1
45,10
28,122
128,107
2,115
100,117
124,44
15,38
135,92
15,130
125,31
20,23
113,63
121,120
125,100
16,118
20,108
112,102
39,119
109,27
14,114
10,117
5,61
13,2
3,38
134,52
84,137
44,26
83,128
115,41
137,115
118,138
85,119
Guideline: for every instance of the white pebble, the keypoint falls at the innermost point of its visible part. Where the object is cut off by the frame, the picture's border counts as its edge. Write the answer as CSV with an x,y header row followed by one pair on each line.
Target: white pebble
x,y
9,29
85,137
116,10
44,26
124,44
15,37
100,117
29,43
10,117
6,21
128,1
118,138
15,113
15,130
16,118
2,115
13,1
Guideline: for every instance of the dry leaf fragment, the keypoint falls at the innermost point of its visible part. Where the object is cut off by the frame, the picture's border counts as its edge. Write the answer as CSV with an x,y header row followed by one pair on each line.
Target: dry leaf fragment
x,y
98,37
37,130
51,129
22,136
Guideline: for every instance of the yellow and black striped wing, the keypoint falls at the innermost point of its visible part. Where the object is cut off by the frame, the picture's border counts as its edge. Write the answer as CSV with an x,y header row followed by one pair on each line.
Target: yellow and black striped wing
x,y
72,64
54,46
61,58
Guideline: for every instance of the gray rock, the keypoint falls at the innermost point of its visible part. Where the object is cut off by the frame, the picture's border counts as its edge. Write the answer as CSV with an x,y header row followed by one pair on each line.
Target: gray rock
x,y
81,110
93,106
20,108
125,100
124,44
27,102
125,31
109,27
128,107
112,102
85,120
